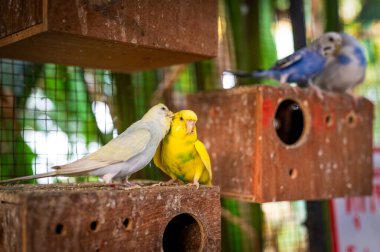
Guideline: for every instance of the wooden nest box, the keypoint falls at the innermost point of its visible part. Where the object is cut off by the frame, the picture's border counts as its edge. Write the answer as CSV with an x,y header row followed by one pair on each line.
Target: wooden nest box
x,y
88,217
280,143
120,35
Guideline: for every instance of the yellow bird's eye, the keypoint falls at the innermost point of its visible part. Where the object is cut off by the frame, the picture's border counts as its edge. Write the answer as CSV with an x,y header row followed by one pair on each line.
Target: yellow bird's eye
x,y
181,118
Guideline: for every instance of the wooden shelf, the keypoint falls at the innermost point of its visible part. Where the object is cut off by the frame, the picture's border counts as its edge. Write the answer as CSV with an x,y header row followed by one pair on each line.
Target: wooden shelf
x,y
120,35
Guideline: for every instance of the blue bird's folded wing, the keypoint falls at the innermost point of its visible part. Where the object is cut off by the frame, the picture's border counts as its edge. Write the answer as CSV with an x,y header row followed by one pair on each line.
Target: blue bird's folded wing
x,y
288,61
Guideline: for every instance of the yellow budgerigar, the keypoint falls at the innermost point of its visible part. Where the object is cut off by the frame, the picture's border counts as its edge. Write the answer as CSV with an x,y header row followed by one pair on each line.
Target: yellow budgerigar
x,y
181,155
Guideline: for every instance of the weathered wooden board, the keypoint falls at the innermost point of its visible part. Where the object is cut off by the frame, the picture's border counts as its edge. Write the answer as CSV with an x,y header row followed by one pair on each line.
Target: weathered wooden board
x,y
325,151
121,35
97,217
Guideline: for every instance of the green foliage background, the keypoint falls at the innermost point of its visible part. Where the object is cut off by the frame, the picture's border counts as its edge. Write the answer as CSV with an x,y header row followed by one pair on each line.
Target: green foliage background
x,y
128,96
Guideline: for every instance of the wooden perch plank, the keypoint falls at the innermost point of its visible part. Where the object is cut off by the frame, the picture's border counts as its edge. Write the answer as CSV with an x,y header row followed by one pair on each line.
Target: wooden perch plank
x,y
93,217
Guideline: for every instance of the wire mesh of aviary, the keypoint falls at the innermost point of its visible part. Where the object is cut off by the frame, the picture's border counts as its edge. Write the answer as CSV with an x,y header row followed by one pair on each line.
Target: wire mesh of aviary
x,y
51,115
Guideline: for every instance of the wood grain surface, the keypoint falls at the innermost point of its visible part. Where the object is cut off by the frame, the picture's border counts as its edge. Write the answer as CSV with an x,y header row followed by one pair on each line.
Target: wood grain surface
x,y
98,217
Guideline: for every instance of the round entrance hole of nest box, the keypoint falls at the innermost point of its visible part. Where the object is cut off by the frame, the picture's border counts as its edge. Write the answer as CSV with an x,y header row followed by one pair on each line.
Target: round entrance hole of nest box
x,y
183,233
289,121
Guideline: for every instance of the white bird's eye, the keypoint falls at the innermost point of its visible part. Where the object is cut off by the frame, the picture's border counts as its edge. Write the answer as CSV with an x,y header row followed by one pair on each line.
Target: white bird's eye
x,y
163,108
331,39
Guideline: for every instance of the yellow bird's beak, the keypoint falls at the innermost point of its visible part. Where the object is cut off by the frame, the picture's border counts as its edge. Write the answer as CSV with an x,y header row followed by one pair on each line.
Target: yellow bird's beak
x,y
190,124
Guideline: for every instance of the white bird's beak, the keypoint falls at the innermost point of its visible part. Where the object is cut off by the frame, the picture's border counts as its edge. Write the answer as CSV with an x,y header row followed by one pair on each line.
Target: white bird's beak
x,y
170,114
337,48
190,124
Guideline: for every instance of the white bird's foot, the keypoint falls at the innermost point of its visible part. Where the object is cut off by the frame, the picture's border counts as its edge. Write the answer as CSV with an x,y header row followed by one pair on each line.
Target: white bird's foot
x,y
356,100
287,85
318,91
284,85
284,80
354,96
107,178
129,183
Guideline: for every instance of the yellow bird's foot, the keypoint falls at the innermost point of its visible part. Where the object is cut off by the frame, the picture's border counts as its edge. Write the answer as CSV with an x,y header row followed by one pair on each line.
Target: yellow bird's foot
x,y
167,183
170,182
195,183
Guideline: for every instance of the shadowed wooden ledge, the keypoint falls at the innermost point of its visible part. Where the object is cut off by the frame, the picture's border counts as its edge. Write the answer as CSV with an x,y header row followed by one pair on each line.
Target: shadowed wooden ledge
x,y
99,217
120,35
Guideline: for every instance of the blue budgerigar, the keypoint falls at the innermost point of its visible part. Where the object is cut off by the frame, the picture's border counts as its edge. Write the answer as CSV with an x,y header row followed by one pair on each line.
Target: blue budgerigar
x,y
346,70
304,64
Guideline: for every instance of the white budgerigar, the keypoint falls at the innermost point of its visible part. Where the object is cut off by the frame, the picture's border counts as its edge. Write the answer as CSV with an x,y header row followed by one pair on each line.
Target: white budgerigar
x,y
126,154
346,70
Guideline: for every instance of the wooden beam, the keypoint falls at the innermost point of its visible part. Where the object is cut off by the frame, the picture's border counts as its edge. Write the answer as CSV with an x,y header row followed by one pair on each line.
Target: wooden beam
x,y
121,35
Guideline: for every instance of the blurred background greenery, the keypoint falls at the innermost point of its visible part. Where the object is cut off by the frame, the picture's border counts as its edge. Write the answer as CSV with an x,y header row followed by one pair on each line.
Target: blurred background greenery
x,y
53,114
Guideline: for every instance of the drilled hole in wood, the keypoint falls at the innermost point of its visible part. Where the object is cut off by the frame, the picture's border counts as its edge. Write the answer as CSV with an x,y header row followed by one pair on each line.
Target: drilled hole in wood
x,y
59,229
94,225
289,122
183,233
127,223
292,173
351,119
328,120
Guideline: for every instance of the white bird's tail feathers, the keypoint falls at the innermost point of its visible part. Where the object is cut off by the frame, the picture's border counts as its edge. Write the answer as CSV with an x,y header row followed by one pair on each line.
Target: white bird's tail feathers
x,y
60,170
76,168
37,176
